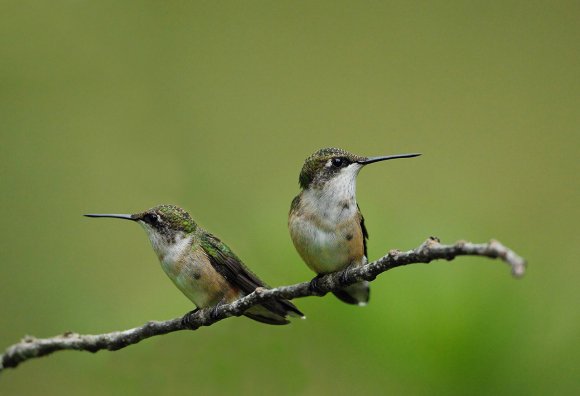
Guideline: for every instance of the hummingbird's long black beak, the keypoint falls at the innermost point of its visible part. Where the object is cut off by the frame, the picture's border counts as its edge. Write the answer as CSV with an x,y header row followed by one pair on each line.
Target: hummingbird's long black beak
x,y
370,160
116,216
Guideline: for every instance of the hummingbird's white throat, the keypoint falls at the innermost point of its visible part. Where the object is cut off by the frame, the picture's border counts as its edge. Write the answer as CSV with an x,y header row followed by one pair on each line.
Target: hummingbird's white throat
x,y
335,200
169,248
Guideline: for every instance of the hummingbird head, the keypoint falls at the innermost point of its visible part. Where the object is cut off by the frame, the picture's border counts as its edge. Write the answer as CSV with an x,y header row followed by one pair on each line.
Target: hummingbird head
x,y
337,165
165,225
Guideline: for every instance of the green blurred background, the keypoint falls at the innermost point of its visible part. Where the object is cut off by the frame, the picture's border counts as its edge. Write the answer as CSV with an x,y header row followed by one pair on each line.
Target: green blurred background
x,y
118,106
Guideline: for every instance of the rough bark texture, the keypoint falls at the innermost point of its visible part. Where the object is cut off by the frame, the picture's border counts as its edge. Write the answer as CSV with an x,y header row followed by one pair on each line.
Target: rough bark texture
x,y
431,249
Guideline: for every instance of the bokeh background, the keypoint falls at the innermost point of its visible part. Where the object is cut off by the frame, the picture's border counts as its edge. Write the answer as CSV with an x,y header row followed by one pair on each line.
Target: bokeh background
x,y
118,106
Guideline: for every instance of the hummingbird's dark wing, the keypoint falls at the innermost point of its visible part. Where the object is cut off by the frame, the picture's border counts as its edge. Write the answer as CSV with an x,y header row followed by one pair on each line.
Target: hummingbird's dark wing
x,y
228,265
364,230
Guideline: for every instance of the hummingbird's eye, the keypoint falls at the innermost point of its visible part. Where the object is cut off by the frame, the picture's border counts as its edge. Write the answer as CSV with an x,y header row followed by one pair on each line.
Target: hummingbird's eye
x,y
151,218
338,162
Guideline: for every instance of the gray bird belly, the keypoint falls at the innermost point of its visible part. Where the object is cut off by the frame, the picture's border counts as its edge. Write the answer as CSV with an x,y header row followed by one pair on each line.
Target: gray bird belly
x,y
203,285
325,251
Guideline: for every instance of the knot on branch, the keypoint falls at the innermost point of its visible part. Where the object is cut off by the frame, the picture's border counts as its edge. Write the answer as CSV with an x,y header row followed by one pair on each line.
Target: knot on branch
x,y
425,249
28,339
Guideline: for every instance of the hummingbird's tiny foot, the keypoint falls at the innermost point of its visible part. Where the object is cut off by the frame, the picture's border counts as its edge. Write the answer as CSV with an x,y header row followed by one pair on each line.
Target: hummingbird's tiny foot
x,y
187,320
213,314
214,311
343,278
314,285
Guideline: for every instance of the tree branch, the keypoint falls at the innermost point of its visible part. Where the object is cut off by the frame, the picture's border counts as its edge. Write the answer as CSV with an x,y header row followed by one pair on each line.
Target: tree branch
x,y
431,249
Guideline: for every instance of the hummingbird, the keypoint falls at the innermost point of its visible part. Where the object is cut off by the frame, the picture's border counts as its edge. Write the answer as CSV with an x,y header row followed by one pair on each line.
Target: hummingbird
x,y
325,222
203,267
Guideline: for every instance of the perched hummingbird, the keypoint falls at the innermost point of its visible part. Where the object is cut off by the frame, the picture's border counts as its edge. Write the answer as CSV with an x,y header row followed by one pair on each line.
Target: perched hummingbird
x,y
325,221
201,266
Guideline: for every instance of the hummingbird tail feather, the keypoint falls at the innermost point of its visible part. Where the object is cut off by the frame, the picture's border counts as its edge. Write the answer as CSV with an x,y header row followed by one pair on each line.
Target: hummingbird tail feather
x,y
267,319
274,312
291,309
355,294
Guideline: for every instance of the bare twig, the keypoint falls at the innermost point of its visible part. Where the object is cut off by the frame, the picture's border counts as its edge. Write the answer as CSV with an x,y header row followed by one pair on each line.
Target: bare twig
x,y
431,249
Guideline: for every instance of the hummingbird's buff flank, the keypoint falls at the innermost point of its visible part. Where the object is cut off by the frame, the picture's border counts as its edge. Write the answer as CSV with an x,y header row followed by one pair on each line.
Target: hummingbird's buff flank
x,y
201,266
325,221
